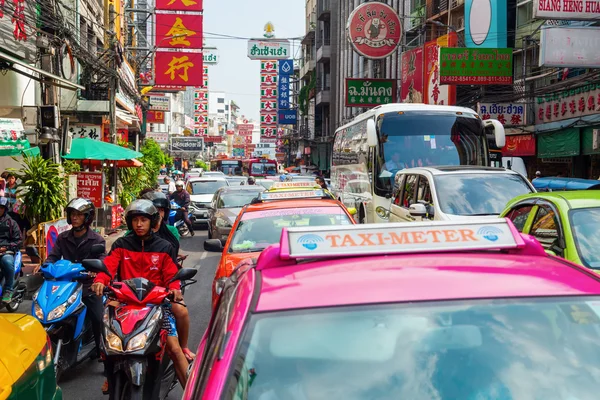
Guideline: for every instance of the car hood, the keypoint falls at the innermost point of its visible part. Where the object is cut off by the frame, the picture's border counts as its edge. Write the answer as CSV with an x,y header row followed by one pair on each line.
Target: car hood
x,y
201,198
231,261
228,213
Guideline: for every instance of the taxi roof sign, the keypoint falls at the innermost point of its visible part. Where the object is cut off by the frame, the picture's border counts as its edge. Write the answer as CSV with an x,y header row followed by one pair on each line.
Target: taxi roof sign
x,y
292,194
396,238
294,185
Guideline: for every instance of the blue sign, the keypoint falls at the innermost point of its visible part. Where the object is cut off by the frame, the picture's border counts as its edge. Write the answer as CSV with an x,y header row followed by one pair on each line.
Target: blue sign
x,y
287,117
486,23
283,92
286,67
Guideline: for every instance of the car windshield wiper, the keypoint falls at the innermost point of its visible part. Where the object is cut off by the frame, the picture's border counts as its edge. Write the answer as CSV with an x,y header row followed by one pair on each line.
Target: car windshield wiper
x,y
250,250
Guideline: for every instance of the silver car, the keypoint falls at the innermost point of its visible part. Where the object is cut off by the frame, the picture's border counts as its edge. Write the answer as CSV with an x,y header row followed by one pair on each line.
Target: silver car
x,y
225,207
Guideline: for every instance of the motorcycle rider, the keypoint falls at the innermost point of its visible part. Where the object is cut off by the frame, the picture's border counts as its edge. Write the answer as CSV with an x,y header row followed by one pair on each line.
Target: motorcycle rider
x,y
10,242
170,234
182,198
146,255
75,245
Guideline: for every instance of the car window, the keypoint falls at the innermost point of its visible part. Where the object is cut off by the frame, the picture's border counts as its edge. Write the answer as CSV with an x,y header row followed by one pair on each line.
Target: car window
x,y
410,190
584,223
398,186
424,192
519,216
545,227
206,187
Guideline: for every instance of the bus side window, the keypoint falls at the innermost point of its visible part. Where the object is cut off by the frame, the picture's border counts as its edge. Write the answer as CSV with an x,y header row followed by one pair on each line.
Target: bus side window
x,y
410,191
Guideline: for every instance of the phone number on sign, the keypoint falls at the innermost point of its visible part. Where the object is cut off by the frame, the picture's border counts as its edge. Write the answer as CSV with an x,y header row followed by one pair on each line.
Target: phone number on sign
x,y
476,80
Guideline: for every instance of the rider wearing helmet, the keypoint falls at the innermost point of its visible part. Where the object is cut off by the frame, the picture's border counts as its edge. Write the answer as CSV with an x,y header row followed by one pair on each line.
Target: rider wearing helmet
x,y
75,245
182,198
10,242
251,180
145,255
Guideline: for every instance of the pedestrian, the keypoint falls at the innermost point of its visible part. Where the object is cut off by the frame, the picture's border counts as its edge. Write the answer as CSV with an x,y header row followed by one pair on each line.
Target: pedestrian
x,y
538,174
171,184
321,182
10,192
182,198
10,242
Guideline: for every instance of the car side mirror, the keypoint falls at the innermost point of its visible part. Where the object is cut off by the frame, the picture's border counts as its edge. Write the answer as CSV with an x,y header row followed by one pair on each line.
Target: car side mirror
x,y
418,210
352,210
94,265
372,133
214,245
184,274
97,250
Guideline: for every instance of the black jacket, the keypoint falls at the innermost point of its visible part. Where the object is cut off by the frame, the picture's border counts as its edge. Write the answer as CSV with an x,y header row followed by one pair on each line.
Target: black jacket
x,y
181,198
10,234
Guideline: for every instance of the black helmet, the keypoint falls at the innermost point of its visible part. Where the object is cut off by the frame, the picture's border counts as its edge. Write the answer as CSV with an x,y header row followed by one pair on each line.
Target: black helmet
x,y
143,208
84,206
4,202
159,199
251,180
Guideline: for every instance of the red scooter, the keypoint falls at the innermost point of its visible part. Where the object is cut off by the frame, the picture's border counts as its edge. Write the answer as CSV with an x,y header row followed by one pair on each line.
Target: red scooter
x,y
133,338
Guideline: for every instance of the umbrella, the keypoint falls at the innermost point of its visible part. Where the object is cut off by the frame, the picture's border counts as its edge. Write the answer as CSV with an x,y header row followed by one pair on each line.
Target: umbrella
x,y
177,172
133,163
90,149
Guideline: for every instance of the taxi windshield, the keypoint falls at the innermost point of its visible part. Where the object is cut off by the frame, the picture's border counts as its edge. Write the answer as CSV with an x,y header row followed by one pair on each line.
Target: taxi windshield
x,y
478,194
584,223
259,229
507,349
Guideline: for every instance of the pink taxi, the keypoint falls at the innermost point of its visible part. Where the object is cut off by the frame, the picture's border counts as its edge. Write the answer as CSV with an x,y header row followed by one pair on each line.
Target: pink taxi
x,y
431,310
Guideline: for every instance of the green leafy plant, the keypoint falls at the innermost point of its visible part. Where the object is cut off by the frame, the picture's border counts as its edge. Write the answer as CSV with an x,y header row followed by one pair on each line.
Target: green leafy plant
x,y
70,167
305,92
202,164
42,189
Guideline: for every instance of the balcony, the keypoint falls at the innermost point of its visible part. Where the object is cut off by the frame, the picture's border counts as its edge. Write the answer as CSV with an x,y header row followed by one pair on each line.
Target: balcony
x,y
307,67
456,3
436,7
323,51
323,96
323,10
309,38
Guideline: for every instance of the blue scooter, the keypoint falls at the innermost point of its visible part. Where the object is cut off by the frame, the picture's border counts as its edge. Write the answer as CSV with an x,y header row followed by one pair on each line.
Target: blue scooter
x,y
59,307
179,223
19,287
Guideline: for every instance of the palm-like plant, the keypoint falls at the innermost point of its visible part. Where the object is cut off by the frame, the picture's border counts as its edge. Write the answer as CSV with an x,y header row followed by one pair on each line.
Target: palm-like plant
x,y
42,189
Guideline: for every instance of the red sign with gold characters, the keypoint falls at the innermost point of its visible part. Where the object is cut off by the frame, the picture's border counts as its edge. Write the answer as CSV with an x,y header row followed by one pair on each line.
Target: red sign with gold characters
x,y
374,30
179,5
179,31
155,117
178,68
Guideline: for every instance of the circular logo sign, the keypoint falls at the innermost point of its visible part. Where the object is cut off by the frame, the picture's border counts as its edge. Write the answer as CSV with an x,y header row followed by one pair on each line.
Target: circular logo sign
x,y
374,30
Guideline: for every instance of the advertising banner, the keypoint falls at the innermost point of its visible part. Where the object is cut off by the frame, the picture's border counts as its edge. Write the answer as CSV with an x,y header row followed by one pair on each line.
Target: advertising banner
x,y
287,117
486,24
374,30
179,31
370,92
155,117
158,137
51,231
178,68
158,103
566,9
434,92
462,66
519,145
570,47
179,5
570,103
412,76
506,113
89,186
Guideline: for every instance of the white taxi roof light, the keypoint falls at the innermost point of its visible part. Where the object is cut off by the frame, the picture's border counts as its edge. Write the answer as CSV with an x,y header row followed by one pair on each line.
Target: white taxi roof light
x,y
294,185
293,194
398,238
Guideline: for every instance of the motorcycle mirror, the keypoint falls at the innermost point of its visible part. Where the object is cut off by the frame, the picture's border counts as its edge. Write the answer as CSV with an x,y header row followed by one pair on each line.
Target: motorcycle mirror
x,y
214,245
97,250
96,266
184,274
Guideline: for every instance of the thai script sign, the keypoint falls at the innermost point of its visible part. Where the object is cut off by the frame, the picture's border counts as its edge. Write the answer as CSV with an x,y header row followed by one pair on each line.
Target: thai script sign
x,y
566,9
260,49
89,186
462,66
570,103
158,137
506,113
193,144
210,55
370,92
158,103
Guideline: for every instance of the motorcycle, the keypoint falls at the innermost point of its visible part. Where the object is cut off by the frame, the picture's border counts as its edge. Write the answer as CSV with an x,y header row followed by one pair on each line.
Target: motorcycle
x,y
59,307
176,219
19,287
136,366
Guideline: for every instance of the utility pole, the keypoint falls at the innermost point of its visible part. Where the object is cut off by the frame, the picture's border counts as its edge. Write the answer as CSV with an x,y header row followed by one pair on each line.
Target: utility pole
x,y
112,100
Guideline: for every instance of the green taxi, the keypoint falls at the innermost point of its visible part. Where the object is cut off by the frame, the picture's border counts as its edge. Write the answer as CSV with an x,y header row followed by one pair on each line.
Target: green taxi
x,y
26,365
567,224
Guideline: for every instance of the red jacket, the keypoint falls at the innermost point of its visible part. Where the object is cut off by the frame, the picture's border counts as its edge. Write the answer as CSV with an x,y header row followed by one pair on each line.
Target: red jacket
x,y
131,257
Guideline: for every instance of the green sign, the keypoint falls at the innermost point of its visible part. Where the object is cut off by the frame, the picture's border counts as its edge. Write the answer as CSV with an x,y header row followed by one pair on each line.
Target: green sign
x,y
462,66
370,92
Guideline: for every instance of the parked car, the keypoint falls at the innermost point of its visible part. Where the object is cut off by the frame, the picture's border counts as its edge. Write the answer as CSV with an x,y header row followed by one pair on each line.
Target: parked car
x,y
202,190
567,224
225,207
456,192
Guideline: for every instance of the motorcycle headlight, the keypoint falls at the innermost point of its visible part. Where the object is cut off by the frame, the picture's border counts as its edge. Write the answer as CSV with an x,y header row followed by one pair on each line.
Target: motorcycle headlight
x,y
113,341
57,312
138,342
223,223
39,313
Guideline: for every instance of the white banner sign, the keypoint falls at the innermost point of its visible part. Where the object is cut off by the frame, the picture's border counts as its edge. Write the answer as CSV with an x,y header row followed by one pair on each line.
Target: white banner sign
x,y
159,137
570,47
210,56
259,49
566,9
86,131
506,113
159,103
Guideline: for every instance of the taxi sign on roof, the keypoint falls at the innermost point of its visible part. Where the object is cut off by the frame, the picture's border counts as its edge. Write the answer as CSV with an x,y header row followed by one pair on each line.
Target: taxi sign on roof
x,y
293,185
416,237
296,194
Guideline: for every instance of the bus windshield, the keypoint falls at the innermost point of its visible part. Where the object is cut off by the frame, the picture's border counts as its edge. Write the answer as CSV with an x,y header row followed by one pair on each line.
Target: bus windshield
x,y
418,139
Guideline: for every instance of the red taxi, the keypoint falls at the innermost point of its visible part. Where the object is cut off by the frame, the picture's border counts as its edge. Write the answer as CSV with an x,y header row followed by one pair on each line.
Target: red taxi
x,y
427,310
259,225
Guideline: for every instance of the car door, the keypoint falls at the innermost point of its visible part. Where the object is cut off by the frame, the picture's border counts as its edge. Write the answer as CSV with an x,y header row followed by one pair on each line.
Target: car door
x,y
407,196
547,229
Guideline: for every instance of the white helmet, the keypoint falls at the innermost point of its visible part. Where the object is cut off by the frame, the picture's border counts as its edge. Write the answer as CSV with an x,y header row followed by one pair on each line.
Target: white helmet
x,y
179,183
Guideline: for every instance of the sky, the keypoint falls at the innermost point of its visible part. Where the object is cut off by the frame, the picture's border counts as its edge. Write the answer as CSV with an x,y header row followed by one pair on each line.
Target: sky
x,y
236,74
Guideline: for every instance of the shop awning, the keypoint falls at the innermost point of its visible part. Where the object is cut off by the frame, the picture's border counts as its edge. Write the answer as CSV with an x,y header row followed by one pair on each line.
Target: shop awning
x,y
563,143
133,163
90,149
64,83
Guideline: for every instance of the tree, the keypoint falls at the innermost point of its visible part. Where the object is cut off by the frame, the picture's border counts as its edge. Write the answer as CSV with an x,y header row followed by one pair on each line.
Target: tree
x,y
202,164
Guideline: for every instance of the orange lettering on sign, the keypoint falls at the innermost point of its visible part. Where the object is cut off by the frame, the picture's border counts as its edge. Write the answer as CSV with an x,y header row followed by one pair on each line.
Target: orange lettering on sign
x,y
435,235
381,238
178,63
418,238
467,235
348,241
186,3
366,237
179,33
333,239
451,236
403,238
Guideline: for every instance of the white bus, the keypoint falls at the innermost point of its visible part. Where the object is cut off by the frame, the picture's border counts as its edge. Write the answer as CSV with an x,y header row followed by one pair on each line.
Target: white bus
x,y
368,151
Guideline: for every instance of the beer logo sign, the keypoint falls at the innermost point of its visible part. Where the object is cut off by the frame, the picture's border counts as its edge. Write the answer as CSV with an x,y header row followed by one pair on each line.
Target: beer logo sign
x,y
374,30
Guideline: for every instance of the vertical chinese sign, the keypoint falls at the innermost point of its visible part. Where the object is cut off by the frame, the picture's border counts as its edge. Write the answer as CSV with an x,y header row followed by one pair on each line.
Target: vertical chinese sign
x,y
178,59
434,92
201,106
412,76
268,98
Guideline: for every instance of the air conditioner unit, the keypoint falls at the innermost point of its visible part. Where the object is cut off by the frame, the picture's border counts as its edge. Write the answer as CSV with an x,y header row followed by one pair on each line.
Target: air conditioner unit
x,y
596,139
